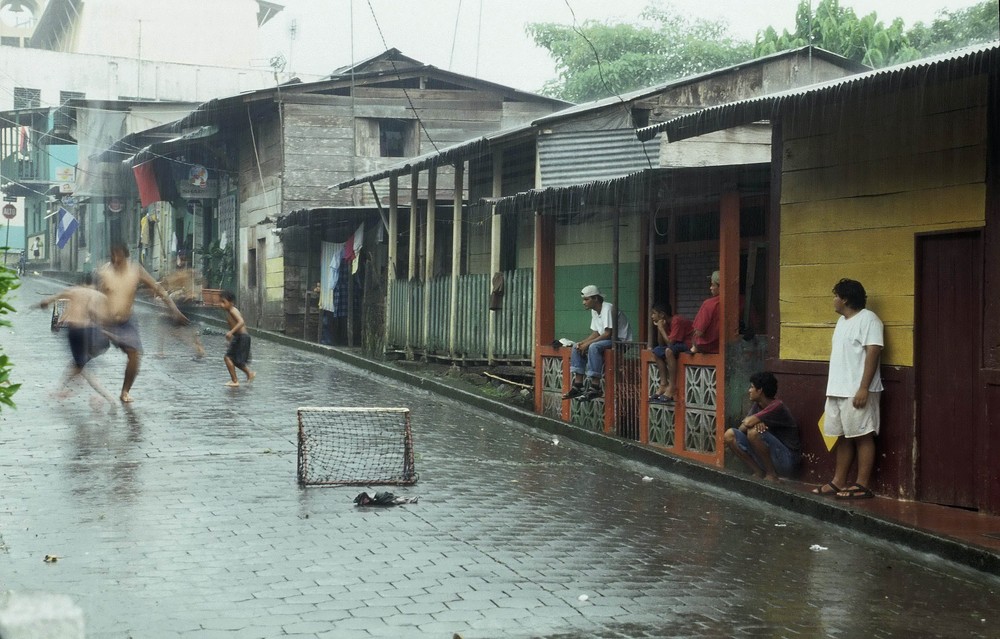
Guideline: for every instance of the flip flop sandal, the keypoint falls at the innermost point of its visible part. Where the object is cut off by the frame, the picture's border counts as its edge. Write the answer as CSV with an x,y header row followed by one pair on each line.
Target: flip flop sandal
x,y
857,491
821,490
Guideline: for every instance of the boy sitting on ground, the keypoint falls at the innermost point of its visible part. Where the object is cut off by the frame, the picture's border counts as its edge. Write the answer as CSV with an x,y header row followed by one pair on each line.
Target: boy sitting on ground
x,y
767,439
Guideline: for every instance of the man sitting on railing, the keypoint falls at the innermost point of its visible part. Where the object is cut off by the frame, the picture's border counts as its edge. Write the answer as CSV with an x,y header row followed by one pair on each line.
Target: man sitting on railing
x,y
588,354
706,322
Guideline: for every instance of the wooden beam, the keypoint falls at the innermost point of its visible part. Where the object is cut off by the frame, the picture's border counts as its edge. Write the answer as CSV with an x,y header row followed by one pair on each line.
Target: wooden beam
x,y
390,271
456,255
429,251
497,229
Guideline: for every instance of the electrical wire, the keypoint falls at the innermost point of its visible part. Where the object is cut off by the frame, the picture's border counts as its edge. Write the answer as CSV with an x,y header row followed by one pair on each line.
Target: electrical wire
x,y
398,76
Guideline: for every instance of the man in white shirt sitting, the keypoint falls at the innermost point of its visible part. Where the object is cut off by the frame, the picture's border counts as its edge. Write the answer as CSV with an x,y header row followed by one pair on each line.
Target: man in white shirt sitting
x,y
588,353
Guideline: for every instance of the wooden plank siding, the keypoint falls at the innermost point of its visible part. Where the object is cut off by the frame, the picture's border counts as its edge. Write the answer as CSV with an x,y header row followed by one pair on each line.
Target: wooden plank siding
x,y
853,199
321,132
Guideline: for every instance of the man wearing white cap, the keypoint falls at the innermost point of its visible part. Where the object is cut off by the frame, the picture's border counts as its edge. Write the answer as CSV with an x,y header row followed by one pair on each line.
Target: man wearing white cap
x,y
588,354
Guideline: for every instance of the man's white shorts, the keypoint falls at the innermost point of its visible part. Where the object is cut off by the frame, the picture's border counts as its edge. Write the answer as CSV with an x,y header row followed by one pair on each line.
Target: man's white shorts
x,y
844,420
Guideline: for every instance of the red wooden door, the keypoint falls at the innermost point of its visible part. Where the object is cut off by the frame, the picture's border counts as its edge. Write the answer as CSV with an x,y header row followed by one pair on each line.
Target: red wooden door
x,y
947,344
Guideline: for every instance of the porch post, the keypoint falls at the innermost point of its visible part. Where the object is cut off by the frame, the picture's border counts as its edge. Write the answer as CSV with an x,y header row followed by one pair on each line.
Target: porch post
x,y
729,302
390,271
497,228
429,252
729,266
411,273
545,317
456,254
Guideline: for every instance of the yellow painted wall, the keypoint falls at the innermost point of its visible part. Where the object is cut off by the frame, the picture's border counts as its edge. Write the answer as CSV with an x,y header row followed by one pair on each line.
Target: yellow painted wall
x,y
275,279
859,181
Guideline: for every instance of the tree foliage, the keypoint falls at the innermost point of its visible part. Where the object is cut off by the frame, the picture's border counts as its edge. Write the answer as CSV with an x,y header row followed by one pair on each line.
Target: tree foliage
x,y
600,59
869,41
8,282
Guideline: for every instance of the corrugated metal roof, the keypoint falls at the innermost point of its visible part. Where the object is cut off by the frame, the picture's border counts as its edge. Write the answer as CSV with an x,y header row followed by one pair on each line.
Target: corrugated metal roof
x,y
585,156
639,94
448,155
764,107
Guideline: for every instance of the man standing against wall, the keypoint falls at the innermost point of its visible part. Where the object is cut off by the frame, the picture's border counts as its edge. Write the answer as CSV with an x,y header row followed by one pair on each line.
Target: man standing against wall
x,y
853,391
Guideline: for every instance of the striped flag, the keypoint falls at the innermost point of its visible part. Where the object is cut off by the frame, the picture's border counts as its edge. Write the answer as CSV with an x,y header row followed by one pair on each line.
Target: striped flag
x,y
65,228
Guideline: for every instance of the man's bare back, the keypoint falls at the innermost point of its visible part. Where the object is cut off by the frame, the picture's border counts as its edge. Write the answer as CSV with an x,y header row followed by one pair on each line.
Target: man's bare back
x,y
85,306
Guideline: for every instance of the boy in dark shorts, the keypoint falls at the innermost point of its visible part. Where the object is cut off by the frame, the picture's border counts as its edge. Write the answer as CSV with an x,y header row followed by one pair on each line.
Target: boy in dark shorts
x,y
85,311
239,340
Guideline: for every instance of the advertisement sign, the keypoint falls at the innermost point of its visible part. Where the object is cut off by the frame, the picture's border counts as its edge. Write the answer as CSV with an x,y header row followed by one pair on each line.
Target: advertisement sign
x,y
198,176
189,191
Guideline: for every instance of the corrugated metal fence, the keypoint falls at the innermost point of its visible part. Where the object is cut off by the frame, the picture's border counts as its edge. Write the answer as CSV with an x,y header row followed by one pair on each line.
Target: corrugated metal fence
x,y
514,320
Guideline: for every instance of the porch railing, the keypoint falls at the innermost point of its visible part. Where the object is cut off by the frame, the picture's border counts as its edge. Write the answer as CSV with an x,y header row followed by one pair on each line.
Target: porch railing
x,y
512,321
691,427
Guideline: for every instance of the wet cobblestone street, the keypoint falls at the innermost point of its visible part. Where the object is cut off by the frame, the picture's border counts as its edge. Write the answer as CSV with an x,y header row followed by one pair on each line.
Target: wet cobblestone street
x,y
180,516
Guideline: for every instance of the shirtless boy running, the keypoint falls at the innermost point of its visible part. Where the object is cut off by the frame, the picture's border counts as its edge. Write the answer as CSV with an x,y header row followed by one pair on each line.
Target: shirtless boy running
x,y
82,318
119,280
239,340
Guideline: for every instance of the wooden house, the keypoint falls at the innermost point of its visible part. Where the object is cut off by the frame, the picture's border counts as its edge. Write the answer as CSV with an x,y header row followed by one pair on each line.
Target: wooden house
x,y
271,154
575,199
891,178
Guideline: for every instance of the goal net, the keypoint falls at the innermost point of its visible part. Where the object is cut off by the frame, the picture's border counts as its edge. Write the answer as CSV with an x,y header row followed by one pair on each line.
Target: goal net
x,y
355,446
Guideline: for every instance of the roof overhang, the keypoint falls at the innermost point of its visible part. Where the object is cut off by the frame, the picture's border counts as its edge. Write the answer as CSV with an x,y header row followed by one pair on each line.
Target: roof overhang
x,y
450,155
951,65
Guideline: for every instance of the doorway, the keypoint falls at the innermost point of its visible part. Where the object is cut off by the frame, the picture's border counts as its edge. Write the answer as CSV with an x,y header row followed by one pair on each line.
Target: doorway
x,y
947,343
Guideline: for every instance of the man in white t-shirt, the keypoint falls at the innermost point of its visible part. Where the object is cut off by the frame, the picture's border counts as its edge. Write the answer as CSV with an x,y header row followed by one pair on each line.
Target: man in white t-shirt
x,y
853,391
588,353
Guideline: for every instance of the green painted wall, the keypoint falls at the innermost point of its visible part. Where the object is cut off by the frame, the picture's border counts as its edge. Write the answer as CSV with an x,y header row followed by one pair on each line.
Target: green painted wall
x,y
571,320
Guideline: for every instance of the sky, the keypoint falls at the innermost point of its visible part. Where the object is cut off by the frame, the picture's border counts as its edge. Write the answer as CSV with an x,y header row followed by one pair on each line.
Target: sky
x,y
490,41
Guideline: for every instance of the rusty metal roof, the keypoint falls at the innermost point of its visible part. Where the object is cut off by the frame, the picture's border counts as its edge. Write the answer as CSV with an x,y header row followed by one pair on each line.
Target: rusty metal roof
x,y
954,64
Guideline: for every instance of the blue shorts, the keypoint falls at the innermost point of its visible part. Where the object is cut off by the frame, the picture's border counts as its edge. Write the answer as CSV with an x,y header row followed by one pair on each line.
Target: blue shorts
x,y
785,461
676,347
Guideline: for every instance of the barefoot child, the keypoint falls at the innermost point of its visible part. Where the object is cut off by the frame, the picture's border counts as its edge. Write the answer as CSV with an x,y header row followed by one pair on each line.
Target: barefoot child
x,y
86,311
239,340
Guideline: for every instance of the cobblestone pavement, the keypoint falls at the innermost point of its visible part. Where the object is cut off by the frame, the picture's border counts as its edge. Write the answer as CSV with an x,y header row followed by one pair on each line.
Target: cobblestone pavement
x,y
180,516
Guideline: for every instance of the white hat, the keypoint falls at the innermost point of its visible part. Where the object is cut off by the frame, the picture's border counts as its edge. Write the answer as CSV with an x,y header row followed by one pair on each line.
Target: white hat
x,y
590,291
714,277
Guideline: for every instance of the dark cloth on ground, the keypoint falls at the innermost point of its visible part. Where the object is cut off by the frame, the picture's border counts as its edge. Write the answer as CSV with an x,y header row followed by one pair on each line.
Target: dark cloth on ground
x,y
382,498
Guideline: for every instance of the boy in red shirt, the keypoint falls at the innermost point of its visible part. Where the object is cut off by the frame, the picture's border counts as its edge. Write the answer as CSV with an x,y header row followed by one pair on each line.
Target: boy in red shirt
x,y
673,337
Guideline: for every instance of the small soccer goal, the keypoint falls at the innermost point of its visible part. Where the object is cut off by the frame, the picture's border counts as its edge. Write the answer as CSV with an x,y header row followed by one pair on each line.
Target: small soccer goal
x,y
355,446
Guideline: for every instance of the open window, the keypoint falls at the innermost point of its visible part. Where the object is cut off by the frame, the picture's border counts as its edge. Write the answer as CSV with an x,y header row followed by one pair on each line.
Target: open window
x,y
386,137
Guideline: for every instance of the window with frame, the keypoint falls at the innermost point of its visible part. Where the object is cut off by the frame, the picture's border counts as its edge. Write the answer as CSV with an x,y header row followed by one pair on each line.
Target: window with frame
x,y
386,137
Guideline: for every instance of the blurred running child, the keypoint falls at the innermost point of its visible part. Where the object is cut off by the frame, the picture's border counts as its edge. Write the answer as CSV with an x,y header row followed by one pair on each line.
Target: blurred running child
x,y
85,311
239,340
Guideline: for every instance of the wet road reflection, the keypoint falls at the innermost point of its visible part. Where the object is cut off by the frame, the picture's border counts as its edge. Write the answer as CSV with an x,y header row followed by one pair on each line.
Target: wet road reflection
x,y
180,515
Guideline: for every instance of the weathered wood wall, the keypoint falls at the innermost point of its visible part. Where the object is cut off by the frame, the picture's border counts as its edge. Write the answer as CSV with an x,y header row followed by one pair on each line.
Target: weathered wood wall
x,y
328,138
853,197
260,197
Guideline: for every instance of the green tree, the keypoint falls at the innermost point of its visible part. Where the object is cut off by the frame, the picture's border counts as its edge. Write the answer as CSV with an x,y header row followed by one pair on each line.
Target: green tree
x,y
597,59
8,282
953,29
867,40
